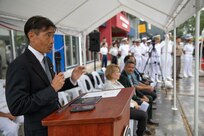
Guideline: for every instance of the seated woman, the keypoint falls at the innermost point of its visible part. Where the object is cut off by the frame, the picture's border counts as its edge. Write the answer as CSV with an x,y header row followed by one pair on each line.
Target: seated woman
x,y
112,75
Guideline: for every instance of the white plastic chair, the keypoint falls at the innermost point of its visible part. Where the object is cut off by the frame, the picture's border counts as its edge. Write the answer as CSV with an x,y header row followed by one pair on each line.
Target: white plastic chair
x,y
131,126
97,79
63,98
82,83
75,92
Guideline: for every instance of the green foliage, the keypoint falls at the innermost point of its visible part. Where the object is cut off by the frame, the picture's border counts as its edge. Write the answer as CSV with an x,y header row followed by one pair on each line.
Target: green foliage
x,y
188,27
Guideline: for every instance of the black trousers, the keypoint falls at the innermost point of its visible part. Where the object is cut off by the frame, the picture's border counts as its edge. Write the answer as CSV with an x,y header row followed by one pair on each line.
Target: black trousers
x,y
104,61
150,93
36,132
149,110
141,117
114,59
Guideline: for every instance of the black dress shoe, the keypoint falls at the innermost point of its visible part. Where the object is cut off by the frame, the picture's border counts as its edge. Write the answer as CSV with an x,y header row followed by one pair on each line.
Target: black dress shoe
x,y
152,122
148,132
154,107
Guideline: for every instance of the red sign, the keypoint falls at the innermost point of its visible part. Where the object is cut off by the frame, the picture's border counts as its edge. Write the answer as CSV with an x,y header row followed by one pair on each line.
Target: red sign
x,y
122,22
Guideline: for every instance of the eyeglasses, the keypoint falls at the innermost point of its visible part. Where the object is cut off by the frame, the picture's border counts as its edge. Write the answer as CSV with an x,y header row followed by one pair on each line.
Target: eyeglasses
x,y
116,72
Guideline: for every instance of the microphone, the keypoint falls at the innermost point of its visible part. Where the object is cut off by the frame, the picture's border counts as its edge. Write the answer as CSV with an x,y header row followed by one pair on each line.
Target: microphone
x,y
57,62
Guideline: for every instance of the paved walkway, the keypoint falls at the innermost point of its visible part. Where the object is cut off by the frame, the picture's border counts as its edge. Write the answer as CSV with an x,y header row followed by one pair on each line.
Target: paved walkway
x,y
170,122
186,99
180,122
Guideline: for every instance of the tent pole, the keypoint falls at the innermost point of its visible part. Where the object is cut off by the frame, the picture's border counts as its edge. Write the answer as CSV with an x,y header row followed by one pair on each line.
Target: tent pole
x,y
201,50
174,68
165,59
65,54
81,43
196,86
13,44
84,48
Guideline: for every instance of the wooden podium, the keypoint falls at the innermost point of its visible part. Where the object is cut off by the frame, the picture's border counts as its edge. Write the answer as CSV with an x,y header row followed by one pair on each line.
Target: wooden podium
x,y
109,118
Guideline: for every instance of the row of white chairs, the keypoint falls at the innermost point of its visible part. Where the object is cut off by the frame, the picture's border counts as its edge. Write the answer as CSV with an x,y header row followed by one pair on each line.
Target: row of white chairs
x,y
84,85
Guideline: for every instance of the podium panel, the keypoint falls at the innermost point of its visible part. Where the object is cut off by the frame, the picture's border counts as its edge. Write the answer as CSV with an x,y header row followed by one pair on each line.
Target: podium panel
x,y
109,118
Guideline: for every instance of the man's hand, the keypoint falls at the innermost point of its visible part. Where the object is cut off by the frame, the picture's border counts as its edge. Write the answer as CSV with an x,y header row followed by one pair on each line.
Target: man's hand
x,y
136,106
145,98
11,117
58,81
150,88
77,72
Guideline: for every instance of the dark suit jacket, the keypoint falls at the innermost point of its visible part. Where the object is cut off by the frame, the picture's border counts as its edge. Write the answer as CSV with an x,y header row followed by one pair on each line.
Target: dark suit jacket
x,y
29,92
126,83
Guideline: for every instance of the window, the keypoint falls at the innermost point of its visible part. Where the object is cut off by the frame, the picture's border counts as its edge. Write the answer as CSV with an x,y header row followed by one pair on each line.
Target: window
x,y
5,51
20,42
72,50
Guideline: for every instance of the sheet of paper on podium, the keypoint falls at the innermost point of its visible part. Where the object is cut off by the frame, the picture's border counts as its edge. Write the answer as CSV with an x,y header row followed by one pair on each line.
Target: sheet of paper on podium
x,y
104,94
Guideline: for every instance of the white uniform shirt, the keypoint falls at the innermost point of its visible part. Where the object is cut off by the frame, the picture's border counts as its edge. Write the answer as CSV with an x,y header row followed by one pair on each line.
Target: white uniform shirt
x,y
188,48
158,49
144,48
124,49
114,51
3,104
104,50
169,47
137,51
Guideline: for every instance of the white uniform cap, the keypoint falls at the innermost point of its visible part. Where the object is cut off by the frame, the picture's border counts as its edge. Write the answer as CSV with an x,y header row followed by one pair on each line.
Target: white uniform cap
x,y
156,37
138,40
188,36
144,38
148,41
124,39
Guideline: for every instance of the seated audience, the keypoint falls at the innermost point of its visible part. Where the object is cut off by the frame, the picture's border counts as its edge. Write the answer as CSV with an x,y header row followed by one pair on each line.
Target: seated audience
x,y
140,86
126,80
112,75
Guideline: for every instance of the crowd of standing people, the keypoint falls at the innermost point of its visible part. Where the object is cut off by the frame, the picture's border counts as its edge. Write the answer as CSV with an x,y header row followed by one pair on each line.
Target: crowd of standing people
x,y
154,57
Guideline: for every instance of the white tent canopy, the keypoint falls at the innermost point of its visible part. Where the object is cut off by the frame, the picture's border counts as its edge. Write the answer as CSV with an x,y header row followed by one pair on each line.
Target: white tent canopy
x,y
80,17
83,16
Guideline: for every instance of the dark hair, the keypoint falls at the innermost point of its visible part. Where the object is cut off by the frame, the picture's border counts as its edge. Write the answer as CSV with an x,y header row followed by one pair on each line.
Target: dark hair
x,y
37,23
129,62
127,58
178,37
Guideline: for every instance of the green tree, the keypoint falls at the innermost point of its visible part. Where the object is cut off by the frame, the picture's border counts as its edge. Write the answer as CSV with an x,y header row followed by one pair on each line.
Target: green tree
x,y
189,26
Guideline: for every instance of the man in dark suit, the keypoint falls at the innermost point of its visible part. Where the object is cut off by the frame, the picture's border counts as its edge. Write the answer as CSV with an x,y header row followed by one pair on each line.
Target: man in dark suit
x,y
29,91
126,80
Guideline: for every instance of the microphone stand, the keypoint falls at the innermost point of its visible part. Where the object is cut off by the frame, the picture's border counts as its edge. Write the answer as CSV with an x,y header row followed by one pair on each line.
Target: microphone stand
x,y
94,61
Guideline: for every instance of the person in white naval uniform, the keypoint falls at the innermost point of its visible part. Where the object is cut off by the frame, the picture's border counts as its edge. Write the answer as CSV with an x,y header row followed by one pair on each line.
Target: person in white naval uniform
x,y
188,50
123,51
144,52
9,124
167,72
137,53
114,53
154,59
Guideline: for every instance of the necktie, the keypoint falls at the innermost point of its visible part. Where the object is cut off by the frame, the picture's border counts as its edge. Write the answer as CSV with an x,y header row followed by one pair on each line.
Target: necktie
x,y
130,79
47,70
